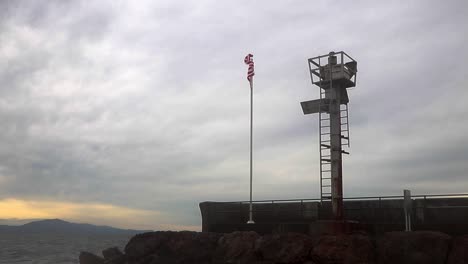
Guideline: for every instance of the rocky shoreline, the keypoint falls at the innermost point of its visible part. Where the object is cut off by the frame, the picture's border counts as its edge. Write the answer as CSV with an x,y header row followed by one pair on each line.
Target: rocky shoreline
x,y
167,247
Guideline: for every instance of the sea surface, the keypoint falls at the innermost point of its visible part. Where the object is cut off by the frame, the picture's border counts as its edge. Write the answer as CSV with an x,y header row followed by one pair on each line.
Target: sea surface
x,y
46,248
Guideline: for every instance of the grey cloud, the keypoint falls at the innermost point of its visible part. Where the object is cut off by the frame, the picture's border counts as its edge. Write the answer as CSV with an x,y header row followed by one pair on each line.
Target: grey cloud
x,y
146,105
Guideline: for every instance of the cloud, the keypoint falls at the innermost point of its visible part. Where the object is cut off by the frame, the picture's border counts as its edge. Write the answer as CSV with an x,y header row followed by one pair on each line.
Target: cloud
x,y
145,105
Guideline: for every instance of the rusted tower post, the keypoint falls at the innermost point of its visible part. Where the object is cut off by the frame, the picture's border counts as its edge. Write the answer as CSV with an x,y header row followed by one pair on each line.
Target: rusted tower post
x,y
333,73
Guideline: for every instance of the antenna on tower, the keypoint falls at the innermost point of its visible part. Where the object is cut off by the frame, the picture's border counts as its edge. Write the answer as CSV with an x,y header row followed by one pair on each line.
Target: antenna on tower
x,y
333,73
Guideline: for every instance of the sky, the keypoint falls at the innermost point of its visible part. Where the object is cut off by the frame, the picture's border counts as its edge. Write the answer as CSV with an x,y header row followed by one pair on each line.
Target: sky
x,y
130,113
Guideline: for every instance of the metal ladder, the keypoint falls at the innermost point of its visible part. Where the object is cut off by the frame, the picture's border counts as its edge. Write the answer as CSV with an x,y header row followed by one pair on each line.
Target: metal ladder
x,y
344,115
325,152
324,145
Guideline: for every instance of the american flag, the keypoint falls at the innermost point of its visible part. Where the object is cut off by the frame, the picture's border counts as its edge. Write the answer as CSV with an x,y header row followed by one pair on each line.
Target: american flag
x,y
250,72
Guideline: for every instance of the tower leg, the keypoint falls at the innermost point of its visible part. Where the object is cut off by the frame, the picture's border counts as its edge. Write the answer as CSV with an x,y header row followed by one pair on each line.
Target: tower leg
x,y
336,154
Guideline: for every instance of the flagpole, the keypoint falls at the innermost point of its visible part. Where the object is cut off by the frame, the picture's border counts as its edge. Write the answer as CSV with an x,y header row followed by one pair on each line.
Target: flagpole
x,y
251,159
250,74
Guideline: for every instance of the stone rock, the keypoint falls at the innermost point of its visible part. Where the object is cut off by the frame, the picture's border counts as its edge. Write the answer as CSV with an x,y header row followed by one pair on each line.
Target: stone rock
x,y
413,247
287,248
111,253
284,248
172,247
236,247
113,256
346,249
90,258
361,250
193,247
142,245
459,252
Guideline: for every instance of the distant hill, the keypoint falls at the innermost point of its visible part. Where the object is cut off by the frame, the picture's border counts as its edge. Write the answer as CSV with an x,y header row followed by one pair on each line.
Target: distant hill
x,y
61,226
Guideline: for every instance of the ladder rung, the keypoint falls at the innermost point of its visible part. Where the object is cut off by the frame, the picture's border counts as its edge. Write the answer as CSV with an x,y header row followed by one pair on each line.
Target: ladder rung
x,y
325,140
326,171
325,146
344,130
326,156
344,137
326,160
325,119
345,152
326,186
328,133
324,126
326,178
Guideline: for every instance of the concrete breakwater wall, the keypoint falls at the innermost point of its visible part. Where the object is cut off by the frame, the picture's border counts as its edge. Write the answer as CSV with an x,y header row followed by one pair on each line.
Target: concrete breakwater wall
x,y
447,215
420,247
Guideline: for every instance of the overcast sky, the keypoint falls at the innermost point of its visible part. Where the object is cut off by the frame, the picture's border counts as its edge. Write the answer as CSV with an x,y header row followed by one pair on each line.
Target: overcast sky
x,y
131,113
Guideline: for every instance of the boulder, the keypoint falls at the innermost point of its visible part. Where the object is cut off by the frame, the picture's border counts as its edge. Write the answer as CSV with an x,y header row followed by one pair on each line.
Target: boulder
x,y
144,244
113,256
90,258
361,250
413,247
346,249
459,252
193,247
284,248
172,247
236,247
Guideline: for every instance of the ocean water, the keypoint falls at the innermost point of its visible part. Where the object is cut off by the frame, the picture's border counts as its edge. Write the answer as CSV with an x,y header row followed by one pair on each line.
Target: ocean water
x,y
46,248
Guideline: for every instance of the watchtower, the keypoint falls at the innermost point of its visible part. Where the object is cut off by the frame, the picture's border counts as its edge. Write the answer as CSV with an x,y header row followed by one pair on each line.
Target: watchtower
x,y
333,73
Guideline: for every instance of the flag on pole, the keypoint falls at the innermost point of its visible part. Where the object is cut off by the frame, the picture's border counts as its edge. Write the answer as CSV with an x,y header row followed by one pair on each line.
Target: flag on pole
x,y
250,72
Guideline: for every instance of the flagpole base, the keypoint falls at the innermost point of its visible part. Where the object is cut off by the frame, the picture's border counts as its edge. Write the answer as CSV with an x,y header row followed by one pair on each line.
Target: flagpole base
x,y
250,222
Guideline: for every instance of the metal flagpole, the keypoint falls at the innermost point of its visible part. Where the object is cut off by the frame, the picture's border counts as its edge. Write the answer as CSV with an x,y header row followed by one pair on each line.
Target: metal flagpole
x,y
251,130
250,73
